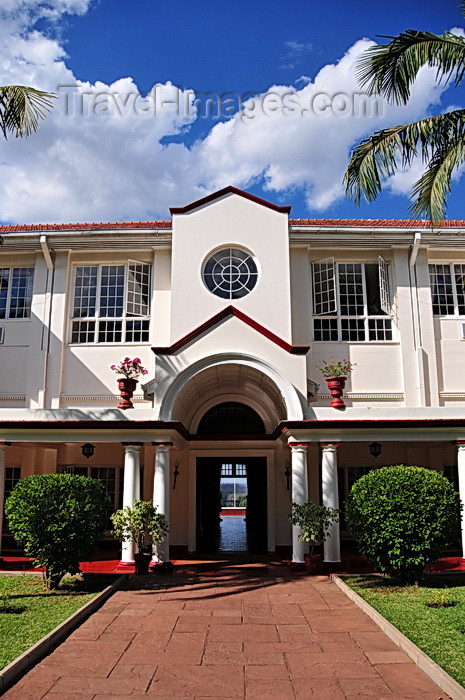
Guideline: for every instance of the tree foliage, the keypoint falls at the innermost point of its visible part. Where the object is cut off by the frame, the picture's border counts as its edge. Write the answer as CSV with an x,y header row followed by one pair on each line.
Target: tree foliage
x,y
390,70
402,518
140,524
58,519
314,521
21,108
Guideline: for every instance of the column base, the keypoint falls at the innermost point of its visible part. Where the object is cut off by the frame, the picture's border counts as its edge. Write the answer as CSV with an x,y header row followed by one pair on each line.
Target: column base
x,y
296,565
161,567
126,563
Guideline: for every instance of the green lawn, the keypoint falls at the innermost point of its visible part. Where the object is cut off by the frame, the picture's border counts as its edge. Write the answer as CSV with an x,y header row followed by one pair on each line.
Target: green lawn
x,y
28,611
438,631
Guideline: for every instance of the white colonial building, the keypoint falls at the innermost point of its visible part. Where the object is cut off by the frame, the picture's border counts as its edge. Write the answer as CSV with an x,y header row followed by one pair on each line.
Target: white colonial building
x,y
230,305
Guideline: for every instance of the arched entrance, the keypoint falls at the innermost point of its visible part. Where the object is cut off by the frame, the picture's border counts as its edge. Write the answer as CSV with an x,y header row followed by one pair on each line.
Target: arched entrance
x,y
231,405
231,491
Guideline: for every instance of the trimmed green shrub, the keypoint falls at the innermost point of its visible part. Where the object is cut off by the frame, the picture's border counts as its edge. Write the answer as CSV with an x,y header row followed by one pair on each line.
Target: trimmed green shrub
x,y
402,518
58,519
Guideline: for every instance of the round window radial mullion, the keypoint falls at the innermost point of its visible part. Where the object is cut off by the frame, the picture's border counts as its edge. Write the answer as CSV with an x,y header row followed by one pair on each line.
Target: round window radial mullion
x,y
230,274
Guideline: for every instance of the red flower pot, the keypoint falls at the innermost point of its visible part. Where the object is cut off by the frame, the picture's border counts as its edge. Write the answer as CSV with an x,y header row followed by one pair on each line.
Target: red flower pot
x,y
313,563
126,389
336,387
142,561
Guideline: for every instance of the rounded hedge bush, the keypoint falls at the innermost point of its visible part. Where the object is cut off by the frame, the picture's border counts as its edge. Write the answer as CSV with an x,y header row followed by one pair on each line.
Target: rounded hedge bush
x,y
58,518
402,518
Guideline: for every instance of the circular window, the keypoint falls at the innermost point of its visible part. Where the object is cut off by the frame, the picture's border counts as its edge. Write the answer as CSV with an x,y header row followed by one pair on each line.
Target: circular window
x,y
230,274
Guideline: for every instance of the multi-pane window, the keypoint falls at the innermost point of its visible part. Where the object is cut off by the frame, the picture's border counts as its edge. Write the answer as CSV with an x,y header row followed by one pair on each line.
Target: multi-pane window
x,y
12,476
451,472
111,477
16,292
111,303
230,273
351,301
447,284
233,469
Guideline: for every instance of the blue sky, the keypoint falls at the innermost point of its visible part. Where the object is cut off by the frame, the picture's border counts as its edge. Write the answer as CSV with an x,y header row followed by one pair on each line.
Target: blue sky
x,y
106,154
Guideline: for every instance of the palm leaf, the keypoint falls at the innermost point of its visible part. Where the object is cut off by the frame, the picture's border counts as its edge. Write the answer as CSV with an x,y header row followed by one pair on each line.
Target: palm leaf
x,y
390,69
430,192
377,158
21,108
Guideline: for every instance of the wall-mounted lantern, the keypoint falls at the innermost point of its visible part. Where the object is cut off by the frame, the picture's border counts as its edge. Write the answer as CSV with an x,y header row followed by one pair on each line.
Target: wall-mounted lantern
x,y
287,474
175,474
375,449
87,450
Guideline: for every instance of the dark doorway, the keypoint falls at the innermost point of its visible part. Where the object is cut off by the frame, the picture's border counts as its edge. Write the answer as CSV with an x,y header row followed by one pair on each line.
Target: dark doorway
x,y
248,532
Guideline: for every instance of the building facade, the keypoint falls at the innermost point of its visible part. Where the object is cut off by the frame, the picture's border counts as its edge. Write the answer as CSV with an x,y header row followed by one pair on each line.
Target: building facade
x,y
230,306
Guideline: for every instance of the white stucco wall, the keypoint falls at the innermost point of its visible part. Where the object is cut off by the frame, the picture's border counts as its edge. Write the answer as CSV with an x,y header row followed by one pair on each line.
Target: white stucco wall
x,y
231,221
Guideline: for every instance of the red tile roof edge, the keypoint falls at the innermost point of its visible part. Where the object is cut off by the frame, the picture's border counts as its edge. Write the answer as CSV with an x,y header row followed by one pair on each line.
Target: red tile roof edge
x,y
102,226
128,225
377,223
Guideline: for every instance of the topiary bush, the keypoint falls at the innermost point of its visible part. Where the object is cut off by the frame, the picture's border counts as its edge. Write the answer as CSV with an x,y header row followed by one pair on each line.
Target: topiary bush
x,y
402,518
58,519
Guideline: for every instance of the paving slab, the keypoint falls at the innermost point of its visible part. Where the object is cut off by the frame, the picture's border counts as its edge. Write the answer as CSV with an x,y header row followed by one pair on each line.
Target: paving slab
x,y
233,633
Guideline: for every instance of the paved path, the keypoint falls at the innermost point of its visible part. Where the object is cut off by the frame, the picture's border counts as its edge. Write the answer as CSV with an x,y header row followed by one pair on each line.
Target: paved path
x,y
239,634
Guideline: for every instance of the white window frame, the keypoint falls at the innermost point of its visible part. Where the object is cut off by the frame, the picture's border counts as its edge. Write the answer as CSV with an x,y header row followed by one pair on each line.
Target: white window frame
x,y
344,327
27,298
454,299
88,329
328,265
384,290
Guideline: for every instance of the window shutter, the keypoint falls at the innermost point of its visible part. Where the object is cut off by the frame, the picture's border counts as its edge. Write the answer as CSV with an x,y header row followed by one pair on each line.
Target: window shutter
x,y
138,289
384,294
324,287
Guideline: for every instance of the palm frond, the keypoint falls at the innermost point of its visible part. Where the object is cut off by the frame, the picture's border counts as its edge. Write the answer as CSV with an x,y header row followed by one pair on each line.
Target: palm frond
x,y
21,108
390,69
377,158
429,193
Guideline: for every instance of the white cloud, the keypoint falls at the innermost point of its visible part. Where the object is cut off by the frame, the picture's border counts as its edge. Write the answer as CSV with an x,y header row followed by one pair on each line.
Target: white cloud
x,y
112,164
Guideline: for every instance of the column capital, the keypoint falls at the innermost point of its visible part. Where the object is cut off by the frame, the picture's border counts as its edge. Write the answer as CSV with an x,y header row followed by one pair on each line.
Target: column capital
x,y
298,446
162,444
132,444
330,446
4,444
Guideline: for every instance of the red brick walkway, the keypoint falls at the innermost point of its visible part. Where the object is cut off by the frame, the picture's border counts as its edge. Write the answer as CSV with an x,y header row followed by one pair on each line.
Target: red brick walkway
x,y
239,634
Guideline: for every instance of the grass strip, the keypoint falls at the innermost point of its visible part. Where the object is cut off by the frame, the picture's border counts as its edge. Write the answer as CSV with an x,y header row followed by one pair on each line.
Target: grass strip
x,y
432,615
28,611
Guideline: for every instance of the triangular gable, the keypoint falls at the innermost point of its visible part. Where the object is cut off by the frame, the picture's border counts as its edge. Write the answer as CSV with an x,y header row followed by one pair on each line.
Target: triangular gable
x,y
226,313
229,190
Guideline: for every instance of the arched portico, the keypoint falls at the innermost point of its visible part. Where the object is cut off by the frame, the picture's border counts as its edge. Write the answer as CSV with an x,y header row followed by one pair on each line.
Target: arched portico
x,y
278,386
252,382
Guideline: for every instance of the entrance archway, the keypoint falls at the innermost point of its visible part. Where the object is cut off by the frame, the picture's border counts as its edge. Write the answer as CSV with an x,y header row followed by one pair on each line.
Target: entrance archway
x,y
230,405
245,529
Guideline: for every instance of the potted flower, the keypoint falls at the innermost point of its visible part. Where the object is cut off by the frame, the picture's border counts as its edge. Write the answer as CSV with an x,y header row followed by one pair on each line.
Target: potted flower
x,y
130,371
314,521
336,374
142,525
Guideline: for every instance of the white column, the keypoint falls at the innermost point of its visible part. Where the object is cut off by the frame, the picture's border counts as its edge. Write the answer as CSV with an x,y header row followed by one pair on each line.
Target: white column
x,y
299,494
161,495
461,472
330,498
2,489
130,490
